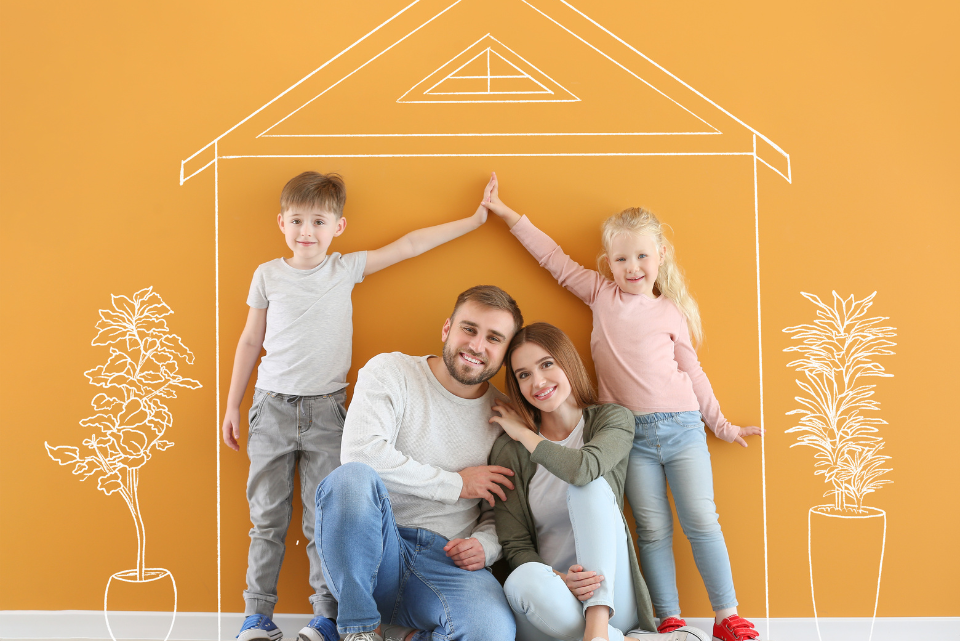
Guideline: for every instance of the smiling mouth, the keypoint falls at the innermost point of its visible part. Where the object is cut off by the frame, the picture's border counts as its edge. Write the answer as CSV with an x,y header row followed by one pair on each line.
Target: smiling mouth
x,y
473,360
545,394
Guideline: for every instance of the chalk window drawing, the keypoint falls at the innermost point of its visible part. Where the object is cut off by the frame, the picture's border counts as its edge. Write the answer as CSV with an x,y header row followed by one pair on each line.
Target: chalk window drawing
x,y
836,353
488,71
130,419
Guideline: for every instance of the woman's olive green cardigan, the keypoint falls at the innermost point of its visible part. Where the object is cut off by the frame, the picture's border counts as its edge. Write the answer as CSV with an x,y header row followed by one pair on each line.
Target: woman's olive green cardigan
x,y
607,439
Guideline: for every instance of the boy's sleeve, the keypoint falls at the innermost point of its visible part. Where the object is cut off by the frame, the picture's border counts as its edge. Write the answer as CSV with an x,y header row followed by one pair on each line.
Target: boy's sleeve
x,y
584,283
370,432
356,262
257,298
686,357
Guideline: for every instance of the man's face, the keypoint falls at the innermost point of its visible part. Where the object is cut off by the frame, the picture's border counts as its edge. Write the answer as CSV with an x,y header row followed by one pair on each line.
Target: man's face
x,y
475,341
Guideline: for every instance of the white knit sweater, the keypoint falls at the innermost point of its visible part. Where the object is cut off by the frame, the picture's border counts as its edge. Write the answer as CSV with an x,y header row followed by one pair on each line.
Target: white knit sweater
x,y
417,435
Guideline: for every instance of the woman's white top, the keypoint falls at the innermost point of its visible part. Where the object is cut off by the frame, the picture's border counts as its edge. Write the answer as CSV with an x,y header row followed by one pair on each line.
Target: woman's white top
x,y
548,502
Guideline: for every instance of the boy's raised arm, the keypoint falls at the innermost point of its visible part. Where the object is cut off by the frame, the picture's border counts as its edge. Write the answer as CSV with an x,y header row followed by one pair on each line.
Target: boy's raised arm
x,y
422,240
248,351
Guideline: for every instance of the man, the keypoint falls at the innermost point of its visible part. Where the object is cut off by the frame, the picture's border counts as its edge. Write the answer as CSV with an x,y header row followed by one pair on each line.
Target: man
x,y
405,527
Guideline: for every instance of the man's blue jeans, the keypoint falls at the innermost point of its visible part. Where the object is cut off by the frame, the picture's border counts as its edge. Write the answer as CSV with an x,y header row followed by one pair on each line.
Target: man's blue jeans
x,y
381,572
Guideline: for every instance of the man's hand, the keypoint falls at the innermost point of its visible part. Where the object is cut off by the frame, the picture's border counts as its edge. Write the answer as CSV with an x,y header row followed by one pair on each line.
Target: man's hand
x,y
480,482
750,430
466,553
231,429
580,583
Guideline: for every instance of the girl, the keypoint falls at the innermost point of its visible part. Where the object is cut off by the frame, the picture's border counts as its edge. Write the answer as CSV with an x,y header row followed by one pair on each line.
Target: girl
x,y
643,318
565,513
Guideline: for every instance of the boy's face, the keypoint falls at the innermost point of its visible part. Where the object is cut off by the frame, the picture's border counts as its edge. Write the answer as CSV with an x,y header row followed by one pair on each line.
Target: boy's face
x,y
308,233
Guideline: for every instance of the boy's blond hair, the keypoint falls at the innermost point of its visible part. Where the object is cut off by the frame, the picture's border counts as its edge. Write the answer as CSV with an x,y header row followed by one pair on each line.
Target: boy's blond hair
x,y
312,190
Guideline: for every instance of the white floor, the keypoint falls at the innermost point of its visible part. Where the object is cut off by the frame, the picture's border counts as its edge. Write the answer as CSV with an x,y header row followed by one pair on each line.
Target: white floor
x,y
202,626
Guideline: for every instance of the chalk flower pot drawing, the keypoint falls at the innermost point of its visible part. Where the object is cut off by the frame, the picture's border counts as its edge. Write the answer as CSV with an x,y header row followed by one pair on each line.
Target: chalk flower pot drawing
x,y
131,420
846,538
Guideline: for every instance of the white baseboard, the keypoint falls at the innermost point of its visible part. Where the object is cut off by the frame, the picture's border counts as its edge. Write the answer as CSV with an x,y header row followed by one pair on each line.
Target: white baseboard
x,y
202,626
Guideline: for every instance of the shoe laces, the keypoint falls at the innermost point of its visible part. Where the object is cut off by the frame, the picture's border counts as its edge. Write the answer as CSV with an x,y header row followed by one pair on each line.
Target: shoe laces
x,y
670,624
741,628
257,621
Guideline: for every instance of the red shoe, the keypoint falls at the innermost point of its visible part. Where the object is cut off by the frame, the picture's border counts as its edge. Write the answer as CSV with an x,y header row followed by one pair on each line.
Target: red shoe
x,y
671,624
733,628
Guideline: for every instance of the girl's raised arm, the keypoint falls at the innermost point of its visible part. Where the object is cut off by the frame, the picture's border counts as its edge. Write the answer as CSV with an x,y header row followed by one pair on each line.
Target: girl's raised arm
x,y
584,283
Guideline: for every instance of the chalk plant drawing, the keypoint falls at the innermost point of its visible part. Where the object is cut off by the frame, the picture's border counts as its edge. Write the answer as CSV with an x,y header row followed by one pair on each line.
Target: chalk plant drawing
x,y
130,417
837,352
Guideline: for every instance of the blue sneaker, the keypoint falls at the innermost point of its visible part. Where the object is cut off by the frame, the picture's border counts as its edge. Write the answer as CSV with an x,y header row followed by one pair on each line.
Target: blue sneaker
x,y
259,626
320,629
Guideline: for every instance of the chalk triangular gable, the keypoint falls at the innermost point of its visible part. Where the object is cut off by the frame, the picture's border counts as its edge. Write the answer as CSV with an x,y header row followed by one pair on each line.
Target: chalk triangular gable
x,y
467,78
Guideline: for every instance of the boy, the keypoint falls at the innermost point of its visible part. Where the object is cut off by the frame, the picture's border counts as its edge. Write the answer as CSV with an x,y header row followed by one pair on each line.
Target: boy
x,y
301,313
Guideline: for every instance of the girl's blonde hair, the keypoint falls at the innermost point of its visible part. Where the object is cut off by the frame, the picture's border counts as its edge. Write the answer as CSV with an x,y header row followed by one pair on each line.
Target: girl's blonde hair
x,y
670,279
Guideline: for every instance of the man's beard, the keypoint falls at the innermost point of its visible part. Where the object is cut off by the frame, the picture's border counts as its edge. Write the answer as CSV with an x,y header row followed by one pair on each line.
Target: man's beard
x,y
459,372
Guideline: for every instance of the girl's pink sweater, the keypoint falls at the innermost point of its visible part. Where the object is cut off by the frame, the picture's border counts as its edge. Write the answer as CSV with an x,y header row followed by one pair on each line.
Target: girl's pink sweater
x,y
641,346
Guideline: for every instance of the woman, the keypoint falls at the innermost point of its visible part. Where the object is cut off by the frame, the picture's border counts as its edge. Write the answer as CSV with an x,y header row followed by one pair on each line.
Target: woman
x,y
574,571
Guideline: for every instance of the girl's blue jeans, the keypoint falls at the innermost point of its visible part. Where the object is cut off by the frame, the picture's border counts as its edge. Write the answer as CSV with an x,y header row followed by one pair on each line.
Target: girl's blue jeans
x,y
381,572
671,448
545,608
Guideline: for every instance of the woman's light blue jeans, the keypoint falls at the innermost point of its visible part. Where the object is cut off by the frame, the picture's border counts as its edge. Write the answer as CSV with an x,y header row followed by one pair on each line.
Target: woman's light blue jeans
x,y
545,608
671,448
381,572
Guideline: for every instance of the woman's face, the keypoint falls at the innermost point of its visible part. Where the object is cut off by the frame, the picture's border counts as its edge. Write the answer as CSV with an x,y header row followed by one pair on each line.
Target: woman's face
x,y
541,381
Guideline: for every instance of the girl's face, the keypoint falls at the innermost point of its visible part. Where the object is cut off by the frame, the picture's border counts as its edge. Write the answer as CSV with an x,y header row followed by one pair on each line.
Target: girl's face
x,y
635,261
541,381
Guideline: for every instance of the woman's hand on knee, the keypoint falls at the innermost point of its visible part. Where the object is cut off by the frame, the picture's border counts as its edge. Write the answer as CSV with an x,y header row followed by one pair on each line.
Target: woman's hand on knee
x,y
581,583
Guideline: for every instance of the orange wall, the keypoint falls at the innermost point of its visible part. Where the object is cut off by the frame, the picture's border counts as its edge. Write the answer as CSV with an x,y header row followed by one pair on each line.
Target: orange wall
x,y
99,105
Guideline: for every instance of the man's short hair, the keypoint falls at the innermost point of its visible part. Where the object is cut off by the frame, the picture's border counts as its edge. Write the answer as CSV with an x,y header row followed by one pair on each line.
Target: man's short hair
x,y
491,296
312,190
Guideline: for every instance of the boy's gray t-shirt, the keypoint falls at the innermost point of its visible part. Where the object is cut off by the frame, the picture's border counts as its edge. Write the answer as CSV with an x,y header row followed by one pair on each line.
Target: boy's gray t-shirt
x,y
309,335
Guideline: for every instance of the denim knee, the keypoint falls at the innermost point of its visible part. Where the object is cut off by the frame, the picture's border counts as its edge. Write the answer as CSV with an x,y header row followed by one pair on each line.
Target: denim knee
x,y
652,530
350,484
528,583
701,523
592,493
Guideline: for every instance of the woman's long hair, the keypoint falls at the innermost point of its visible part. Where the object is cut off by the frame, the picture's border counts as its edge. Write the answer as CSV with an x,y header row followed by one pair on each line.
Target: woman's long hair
x,y
564,354
670,279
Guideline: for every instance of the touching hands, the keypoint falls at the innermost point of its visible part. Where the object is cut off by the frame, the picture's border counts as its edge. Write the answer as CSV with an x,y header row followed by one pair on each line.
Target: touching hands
x,y
491,200
466,553
750,430
481,482
231,429
581,583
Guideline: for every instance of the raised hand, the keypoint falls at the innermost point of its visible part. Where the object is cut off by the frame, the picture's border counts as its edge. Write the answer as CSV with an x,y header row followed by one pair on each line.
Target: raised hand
x,y
491,200
581,583
466,553
483,481
509,420
750,430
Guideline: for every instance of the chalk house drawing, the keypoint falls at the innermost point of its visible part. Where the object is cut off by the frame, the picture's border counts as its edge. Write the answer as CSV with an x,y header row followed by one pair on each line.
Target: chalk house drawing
x,y
132,420
836,353
314,118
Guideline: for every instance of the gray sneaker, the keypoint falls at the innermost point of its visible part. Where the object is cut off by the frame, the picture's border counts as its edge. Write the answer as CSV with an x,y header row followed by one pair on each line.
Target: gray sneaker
x,y
363,636
686,633
392,632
